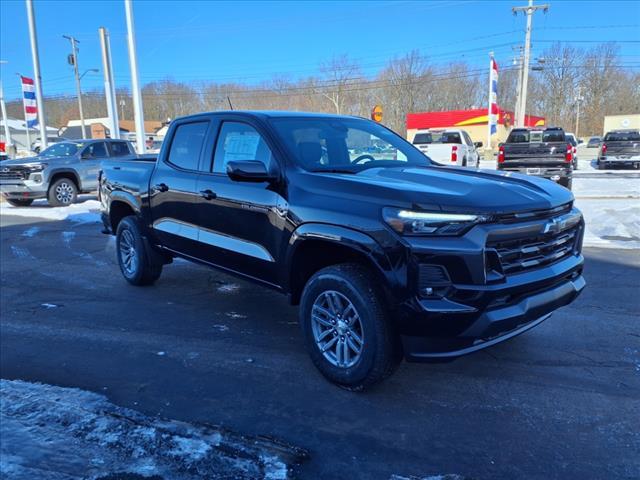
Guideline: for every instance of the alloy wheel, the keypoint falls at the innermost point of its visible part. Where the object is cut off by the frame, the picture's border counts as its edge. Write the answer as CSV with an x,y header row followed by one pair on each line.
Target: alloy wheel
x,y
337,329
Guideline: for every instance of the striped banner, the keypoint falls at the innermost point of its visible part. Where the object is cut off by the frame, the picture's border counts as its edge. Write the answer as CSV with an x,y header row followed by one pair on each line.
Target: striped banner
x,y
493,98
29,101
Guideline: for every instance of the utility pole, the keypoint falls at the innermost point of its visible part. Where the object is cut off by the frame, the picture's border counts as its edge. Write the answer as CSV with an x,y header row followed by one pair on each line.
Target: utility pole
x,y
109,87
122,105
516,110
73,60
528,11
135,84
36,72
578,99
5,121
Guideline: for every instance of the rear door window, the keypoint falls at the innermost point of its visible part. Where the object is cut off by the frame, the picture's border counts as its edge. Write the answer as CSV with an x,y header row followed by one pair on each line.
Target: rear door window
x,y
119,149
422,139
187,144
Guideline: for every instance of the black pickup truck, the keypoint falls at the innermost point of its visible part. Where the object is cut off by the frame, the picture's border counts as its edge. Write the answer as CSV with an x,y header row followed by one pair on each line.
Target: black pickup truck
x,y
620,148
544,153
386,254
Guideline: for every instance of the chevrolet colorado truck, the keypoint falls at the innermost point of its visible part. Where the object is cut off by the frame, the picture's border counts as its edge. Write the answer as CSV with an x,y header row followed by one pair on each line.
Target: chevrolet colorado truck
x,y
386,254
58,173
544,153
620,148
448,147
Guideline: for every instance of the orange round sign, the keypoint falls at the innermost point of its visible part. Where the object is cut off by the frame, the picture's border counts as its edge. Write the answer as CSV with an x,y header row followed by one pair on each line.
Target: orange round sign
x,y
376,113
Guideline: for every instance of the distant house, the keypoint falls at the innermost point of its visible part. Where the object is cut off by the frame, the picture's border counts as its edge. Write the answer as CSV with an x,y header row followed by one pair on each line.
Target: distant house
x,y
18,130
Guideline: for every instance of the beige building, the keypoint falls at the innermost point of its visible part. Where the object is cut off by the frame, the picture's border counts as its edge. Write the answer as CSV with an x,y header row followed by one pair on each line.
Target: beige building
x,y
620,122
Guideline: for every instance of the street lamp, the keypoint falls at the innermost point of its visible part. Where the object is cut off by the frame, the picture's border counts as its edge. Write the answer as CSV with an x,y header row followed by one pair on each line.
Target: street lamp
x,y
92,70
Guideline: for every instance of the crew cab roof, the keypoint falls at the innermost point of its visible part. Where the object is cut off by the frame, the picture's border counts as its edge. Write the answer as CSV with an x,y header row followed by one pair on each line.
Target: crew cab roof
x,y
268,114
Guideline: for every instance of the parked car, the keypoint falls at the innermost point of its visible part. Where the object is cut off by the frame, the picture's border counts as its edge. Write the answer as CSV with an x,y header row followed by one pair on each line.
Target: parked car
x,y
450,147
386,256
620,148
541,152
59,173
37,144
574,143
594,142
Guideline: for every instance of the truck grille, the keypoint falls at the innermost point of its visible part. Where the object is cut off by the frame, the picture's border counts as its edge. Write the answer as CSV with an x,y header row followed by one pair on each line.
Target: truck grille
x,y
13,173
526,253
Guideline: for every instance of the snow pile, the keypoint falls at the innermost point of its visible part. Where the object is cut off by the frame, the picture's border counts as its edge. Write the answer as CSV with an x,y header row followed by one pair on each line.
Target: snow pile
x,y
79,213
50,432
611,224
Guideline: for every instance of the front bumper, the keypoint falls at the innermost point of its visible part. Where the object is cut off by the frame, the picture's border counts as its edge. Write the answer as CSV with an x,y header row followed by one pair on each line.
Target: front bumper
x,y
485,295
495,325
30,188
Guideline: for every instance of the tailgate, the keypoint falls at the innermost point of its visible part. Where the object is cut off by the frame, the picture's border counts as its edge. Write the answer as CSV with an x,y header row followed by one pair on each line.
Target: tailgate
x,y
535,154
438,152
617,149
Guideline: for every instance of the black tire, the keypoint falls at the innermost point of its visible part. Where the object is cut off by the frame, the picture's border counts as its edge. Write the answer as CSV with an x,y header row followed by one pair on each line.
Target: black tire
x,y
565,182
464,162
601,166
380,351
20,202
62,193
146,265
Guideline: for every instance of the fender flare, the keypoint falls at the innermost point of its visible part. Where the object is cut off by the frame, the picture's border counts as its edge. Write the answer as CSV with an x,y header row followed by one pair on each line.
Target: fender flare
x,y
346,237
70,171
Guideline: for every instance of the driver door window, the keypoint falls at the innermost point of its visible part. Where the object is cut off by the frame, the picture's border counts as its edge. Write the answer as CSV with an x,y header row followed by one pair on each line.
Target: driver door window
x,y
239,141
95,150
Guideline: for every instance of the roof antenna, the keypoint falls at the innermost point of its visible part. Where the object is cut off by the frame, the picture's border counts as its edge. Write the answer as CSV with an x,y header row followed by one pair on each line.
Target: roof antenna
x,y
229,100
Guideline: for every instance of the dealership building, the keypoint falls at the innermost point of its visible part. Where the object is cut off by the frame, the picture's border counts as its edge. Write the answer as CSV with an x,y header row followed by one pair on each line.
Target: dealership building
x,y
474,121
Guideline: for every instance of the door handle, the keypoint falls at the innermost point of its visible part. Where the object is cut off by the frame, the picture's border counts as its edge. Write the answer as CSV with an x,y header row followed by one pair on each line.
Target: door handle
x,y
208,194
161,187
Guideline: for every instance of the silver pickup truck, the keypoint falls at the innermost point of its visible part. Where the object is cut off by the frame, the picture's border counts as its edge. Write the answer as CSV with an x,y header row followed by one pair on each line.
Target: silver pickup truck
x,y
60,172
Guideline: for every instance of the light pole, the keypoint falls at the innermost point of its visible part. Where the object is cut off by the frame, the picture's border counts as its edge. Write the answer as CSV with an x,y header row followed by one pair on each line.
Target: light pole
x,y
36,73
122,105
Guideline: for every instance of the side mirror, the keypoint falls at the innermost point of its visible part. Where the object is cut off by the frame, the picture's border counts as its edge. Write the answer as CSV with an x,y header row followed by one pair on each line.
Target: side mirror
x,y
249,171
478,144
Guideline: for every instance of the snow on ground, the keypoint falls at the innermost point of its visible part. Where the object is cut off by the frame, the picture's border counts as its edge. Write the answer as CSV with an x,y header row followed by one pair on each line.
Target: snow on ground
x,y
55,433
85,211
611,223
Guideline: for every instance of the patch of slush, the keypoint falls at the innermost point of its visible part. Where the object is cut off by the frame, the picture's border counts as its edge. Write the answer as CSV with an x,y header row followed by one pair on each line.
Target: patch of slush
x,y
31,232
228,288
21,252
52,433
67,237
79,213
446,476
220,327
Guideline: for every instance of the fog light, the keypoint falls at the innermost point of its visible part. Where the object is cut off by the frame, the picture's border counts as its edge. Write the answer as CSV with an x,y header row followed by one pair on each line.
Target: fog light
x,y
428,291
555,178
37,178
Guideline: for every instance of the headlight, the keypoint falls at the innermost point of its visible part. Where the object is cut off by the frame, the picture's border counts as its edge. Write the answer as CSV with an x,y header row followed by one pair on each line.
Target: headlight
x,y
36,167
409,222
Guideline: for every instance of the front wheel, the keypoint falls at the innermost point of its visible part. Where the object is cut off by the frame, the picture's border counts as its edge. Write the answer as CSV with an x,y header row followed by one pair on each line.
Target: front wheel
x,y
62,193
20,202
565,182
346,327
139,265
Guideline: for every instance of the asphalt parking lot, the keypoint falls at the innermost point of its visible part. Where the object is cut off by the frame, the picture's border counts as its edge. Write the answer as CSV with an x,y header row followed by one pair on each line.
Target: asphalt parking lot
x,y
561,401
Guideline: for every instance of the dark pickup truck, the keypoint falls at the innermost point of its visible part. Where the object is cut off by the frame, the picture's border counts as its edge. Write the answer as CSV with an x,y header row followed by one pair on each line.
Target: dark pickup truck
x,y
620,148
386,254
544,153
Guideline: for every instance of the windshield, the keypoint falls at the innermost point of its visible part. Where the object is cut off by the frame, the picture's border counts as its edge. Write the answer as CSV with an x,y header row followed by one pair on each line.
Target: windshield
x,y
63,149
622,137
345,144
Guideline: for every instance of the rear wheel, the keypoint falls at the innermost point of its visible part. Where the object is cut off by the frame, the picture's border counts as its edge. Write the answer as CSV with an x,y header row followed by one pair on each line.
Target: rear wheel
x,y
601,166
62,193
138,263
20,202
346,327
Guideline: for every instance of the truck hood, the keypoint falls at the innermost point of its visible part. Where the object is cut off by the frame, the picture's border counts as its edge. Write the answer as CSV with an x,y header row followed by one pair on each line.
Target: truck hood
x,y
453,189
32,160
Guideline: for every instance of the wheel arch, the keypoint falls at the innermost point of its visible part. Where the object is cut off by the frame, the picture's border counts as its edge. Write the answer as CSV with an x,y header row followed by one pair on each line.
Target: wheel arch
x,y
57,174
121,205
315,246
